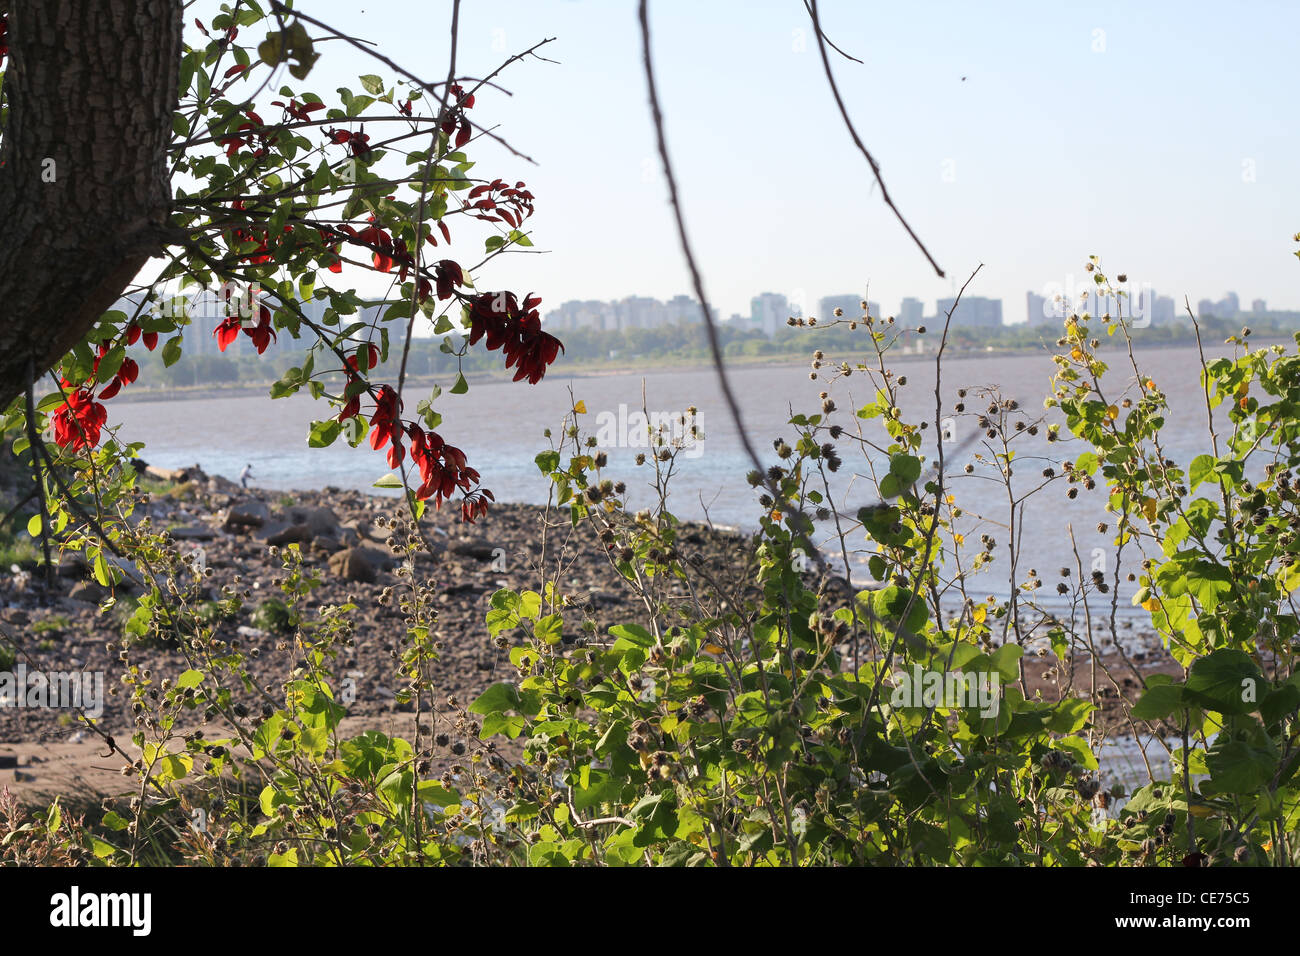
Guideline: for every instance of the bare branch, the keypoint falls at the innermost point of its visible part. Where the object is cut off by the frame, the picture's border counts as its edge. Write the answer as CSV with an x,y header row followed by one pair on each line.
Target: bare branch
x,y
871,160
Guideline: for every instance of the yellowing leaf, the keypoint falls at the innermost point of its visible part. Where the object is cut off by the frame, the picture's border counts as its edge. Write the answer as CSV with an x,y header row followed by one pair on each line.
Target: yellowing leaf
x,y
580,408
1112,412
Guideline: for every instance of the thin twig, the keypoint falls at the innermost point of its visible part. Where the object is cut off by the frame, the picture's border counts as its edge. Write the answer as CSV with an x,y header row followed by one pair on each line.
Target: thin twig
x,y
871,161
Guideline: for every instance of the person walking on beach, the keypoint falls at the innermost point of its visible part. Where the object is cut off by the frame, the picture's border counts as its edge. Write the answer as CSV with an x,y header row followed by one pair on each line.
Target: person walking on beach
x,y
245,475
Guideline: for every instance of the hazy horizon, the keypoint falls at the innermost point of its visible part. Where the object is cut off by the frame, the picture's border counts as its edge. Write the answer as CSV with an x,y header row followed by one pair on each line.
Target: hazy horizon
x,y
1148,136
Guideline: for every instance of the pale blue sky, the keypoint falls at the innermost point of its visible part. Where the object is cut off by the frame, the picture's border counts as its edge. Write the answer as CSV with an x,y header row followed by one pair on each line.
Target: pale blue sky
x,y
1166,143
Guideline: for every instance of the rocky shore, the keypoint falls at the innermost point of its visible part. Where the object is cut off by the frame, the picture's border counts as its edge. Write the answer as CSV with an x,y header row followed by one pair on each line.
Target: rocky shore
x,y
344,537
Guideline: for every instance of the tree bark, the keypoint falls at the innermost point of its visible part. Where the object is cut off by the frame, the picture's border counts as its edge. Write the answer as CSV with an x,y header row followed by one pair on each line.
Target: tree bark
x,y
84,185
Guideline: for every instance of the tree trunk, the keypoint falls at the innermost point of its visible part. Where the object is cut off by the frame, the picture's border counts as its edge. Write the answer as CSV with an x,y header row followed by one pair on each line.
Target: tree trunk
x,y
84,186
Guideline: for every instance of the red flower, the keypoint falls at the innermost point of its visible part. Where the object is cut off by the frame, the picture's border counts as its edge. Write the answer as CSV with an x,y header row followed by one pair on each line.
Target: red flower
x,y
262,334
301,113
385,425
358,142
78,420
492,314
475,505
465,102
532,349
448,274
498,317
227,331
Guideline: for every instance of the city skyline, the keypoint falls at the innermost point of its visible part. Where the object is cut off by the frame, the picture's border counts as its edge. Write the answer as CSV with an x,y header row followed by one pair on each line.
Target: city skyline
x,y
770,311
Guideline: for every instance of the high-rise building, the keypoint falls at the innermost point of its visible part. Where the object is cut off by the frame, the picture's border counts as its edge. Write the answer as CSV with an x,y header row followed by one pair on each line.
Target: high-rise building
x,y
973,312
1206,308
1164,310
849,305
1039,310
639,312
768,311
683,310
910,312
1258,306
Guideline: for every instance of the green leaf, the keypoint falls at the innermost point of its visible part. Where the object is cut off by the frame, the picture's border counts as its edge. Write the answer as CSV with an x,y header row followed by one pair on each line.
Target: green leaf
x,y
324,433
906,468
110,363
461,386
390,480
1200,469
372,83
1238,767
1227,681
171,353
1006,659
631,635
548,461
496,699
549,629
191,678
891,602
1159,701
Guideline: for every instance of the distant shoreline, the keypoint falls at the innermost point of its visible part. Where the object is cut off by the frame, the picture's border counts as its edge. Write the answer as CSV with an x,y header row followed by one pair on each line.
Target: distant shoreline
x,y
143,393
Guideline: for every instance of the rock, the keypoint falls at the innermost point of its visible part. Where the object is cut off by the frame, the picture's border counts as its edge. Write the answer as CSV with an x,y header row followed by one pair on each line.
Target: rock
x,y
255,633
353,564
279,533
223,486
192,532
165,474
90,591
327,544
478,548
242,515
319,520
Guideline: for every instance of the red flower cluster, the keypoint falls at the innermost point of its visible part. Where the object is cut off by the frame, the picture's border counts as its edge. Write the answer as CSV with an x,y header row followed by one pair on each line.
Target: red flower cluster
x,y
443,470
125,375
260,332
369,355
78,420
442,467
358,143
4,37
517,200
454,119
386,425
448,274
498,317
244,135
301,112
133,335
